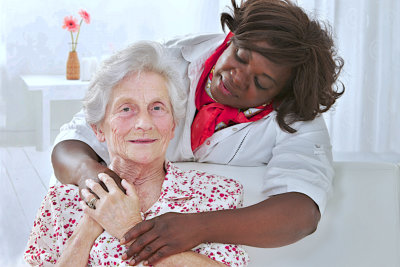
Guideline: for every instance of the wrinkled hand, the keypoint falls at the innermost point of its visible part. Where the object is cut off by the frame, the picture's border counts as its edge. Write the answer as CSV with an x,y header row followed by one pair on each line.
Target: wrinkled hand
x,y
162,236
115,211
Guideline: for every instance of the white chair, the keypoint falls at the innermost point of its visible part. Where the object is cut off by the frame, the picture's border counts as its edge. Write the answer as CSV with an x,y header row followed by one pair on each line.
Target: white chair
x,y
360,227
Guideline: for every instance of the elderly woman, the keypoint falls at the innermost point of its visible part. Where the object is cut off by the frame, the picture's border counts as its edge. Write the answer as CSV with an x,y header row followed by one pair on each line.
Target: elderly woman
x,y
133,104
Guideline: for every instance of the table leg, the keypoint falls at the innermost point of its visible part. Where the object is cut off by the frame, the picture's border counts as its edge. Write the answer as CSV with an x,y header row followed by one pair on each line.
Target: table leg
x,y
45,129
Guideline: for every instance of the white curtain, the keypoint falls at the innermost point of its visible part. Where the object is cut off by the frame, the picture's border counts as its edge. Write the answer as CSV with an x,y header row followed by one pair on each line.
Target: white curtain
x,y
365,119
2,62
33,42
367,34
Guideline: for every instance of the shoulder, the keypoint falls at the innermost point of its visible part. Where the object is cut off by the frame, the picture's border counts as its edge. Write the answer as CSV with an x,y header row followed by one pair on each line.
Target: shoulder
x,y
192,39
314,130
193,47
202,179
208,186
65,195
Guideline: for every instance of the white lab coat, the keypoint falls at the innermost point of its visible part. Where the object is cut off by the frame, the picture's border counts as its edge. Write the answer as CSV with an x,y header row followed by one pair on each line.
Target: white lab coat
x,y
299,162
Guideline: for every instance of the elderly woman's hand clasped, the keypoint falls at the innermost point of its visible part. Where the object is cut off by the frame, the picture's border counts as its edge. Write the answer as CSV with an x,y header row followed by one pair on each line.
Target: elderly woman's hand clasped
x,y
115,211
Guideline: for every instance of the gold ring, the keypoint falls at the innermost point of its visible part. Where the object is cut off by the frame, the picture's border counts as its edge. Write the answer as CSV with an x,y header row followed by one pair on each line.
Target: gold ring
x,y
92,203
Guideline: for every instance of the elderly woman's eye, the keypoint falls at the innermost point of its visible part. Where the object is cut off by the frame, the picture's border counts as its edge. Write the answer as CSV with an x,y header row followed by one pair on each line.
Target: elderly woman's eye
x,y
157,108
126,109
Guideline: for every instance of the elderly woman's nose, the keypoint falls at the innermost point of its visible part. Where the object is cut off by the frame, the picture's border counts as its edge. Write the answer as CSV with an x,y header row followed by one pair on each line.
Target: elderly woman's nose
x,y
144,121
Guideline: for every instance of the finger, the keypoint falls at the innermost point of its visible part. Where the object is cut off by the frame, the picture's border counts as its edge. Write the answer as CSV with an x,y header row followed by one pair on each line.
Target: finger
x,y
96,188
109,182
86,209
130,189
87,195
116,178
136,231
140,243
159,255
152,248
136,247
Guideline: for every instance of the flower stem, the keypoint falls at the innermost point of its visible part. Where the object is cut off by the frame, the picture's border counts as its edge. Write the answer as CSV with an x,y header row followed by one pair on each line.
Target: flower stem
x,y
72,44
77,36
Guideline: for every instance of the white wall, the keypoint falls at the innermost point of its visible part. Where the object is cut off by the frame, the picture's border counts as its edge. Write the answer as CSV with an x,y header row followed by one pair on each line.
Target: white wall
x,y
33,42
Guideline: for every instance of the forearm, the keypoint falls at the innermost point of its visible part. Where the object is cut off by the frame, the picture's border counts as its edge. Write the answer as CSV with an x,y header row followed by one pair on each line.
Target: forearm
x,y
78,246
188,258
74,161
277,221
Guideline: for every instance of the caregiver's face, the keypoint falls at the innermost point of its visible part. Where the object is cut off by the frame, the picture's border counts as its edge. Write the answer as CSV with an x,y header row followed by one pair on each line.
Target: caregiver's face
x,y
246,79
138,123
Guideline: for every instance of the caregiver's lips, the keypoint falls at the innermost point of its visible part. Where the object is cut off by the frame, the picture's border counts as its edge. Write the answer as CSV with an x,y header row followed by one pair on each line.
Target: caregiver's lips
x,y
223,88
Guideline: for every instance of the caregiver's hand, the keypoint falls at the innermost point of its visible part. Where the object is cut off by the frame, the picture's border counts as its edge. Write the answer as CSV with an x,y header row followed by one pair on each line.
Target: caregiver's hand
x,y
115,211
162,236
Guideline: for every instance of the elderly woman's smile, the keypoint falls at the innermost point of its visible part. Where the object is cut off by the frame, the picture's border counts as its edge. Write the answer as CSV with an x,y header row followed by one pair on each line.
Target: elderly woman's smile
x,y
138,123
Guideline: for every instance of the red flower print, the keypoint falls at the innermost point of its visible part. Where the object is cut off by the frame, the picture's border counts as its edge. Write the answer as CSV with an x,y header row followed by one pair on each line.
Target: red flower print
x,y
71,24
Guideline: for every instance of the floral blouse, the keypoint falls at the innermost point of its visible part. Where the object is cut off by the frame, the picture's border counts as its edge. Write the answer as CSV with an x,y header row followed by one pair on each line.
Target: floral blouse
x,y
184,192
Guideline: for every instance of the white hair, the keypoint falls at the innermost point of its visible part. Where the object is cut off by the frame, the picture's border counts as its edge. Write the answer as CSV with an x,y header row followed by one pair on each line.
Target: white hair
x,y
136,58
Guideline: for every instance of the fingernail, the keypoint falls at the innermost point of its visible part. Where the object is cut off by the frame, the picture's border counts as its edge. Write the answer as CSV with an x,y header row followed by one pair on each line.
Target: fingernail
x,y
132,262
122,240
146,263
124,256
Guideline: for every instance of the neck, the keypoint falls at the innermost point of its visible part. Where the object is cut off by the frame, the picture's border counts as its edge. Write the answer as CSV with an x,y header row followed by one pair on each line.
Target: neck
x,y
146,178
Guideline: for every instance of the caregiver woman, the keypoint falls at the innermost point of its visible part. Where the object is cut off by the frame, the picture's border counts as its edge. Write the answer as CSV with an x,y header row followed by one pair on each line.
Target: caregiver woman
x,y
255,98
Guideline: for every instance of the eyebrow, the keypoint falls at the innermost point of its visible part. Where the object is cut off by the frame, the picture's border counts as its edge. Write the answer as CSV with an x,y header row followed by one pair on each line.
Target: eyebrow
x,y
120,99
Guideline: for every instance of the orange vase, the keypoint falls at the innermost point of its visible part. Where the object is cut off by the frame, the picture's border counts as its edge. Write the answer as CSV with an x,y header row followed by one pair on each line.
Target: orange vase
x,y
73,66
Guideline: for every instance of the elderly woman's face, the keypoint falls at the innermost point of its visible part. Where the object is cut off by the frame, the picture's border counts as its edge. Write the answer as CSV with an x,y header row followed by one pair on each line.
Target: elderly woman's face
x,y
246,79
138,123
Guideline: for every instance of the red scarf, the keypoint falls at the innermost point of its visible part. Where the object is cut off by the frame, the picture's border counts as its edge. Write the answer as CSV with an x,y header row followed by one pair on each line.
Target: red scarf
x,y
213,116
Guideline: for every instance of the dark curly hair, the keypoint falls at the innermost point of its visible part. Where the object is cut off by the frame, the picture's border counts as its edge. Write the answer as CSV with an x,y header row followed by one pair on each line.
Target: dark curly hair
x,y
296,41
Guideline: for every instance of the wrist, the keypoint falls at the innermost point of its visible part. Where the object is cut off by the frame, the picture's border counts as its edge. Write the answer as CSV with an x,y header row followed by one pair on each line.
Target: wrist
x,y
88,228
122,230
201,227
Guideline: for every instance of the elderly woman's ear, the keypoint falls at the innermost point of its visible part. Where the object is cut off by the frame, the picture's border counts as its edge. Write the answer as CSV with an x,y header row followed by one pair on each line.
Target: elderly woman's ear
x,y
98,132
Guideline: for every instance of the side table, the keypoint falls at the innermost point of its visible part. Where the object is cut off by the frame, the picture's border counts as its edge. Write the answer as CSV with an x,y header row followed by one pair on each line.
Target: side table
x,y
53,87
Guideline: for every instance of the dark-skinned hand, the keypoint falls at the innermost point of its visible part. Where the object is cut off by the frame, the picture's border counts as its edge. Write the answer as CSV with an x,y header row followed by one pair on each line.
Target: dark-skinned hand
x,y
162,236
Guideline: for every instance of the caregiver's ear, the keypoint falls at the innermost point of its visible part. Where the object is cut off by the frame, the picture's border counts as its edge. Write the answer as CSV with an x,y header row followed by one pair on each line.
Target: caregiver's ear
x,y
98,132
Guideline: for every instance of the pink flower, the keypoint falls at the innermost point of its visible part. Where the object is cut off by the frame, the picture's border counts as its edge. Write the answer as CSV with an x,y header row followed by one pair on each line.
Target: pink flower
x,y
84,15
71,24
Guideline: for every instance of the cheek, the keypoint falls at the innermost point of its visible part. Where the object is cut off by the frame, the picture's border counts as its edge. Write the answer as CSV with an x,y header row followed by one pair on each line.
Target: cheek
x,y
119,126
165,127
118,130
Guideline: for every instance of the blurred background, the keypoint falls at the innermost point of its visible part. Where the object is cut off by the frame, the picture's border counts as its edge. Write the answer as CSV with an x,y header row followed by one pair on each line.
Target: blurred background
x,y
364,124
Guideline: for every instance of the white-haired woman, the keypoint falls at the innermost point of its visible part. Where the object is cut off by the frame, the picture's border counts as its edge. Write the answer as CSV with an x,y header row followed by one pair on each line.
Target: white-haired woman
x,y
133,104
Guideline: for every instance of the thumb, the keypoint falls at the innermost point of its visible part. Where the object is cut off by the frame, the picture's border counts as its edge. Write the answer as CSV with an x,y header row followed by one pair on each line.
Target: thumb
x,y
130,189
